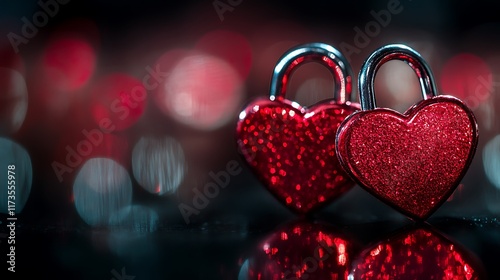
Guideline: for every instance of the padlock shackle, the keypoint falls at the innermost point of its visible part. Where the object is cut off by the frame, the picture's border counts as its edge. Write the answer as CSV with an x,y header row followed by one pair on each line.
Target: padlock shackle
x,y
382,55
313,52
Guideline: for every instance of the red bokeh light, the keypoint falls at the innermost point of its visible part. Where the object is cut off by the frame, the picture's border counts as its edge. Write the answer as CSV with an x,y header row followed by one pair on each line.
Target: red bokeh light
x,y
467,77
68,64
13,100
118,101
201,91
166,62
232,47
65,66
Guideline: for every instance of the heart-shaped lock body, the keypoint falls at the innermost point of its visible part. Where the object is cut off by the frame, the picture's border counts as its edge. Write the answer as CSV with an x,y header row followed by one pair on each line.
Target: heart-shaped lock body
x,y
415,160
291,148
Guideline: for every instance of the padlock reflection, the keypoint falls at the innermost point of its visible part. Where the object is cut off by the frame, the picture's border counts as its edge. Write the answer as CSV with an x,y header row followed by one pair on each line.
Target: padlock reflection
x,y
418,253
302,250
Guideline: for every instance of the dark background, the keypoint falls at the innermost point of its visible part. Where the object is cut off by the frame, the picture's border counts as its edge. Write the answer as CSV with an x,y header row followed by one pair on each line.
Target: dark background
x,y
56,242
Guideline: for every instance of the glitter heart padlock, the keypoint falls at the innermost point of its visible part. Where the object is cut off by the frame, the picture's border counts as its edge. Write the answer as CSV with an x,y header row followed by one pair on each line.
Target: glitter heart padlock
x,y
290,148
411,161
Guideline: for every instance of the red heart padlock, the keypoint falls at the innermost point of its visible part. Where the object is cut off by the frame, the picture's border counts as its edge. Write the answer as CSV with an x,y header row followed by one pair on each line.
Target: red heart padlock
x,y
292,149
415,160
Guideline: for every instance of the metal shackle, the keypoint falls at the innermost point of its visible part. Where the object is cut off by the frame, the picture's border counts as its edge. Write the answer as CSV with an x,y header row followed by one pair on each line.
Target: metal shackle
x,y
313,52
381,56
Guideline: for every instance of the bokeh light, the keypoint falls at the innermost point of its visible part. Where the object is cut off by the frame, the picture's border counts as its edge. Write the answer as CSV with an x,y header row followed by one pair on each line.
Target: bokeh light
x,y
467,77
397,86
118,99
231,47
310,83
101,188
168,60
77,146
13,154
313,90
13,100
158,164
202,91
491,161
68,63
268,58
243,274
270,41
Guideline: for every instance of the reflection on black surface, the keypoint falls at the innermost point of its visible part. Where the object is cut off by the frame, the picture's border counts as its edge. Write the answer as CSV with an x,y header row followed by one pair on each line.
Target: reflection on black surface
x,y
417,253
313,250
301,250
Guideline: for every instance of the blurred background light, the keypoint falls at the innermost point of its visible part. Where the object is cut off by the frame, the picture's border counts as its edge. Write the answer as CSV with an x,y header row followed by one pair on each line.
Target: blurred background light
x,y
63,68
202,91
491,161
13,100
310,83
170,58
396,86
101,188
313,90
467,77
158,164
12,153
269,42
244,273
229,46
118,99
68,64
77,145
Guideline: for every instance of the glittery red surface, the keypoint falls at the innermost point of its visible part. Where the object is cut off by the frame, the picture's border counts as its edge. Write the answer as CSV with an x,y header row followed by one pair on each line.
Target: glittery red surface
x,y
417,254
302,251
412,161
292,150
